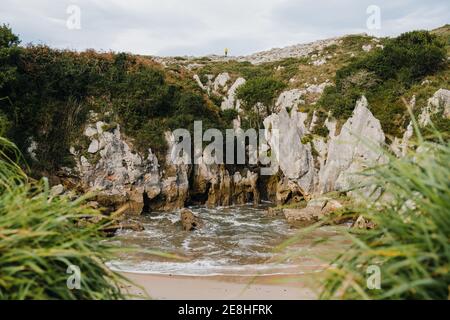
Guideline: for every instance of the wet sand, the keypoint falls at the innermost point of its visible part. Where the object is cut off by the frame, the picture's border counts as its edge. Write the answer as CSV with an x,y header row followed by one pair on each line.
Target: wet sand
x,y
276,287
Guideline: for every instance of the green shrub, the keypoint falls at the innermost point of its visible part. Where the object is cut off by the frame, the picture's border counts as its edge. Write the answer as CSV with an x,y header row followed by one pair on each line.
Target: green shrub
x,y
4,124
40,239
307,138
383,76
229,115
258,90
341,106
263,90
216,99
9,51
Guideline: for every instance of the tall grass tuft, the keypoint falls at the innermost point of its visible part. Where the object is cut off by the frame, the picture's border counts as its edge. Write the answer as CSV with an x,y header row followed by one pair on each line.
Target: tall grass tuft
x,y
411,241
40,239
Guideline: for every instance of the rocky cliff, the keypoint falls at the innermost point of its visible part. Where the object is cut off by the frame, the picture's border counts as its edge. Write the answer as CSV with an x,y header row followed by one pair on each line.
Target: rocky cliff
x,y
309,165
320,145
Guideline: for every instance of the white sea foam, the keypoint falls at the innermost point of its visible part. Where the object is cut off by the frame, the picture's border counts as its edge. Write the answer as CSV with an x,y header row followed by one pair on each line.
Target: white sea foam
x,y
234,241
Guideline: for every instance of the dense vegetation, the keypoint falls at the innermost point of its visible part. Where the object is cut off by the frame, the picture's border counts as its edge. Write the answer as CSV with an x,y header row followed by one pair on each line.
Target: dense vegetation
x,y
384,75
258,97
40,238
46,95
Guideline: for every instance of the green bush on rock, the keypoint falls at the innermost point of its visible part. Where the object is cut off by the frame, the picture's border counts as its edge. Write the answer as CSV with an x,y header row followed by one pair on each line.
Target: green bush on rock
x,y
383,76
262,90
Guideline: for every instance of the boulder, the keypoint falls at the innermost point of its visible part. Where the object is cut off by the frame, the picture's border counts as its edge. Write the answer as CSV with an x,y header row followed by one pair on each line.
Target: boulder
x,y
245,187
274,212
315,210
57,190
300,218
189,221
93,146
128,224
362,223
331,206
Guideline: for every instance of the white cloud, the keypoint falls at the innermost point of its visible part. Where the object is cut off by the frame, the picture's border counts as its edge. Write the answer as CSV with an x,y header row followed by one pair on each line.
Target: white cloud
x,y
199,27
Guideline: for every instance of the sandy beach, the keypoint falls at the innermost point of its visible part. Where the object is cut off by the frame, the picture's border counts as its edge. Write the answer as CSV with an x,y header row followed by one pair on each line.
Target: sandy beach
x,y
223,287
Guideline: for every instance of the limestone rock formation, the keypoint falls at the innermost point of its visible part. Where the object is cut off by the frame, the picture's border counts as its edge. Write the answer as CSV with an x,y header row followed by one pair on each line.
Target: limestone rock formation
x,y
115,170
221,81
354,149
337,158
230,101
308,165
295,51
284,132
289,99
122,177
439,102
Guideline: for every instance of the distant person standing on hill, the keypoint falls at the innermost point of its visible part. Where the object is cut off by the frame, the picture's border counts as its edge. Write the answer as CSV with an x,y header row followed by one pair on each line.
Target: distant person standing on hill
x,y
226,52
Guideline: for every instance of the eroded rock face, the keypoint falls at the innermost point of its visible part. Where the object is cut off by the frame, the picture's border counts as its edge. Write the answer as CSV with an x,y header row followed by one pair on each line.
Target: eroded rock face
x,y
289,99
122,177
439,102
295,160
354,149
337,158
174,179
218,188
230,101
221,81
308,165
221,190
114,170
245,187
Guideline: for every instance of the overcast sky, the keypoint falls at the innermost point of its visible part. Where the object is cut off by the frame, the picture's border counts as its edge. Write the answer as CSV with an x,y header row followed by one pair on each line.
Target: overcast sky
x,y
201,27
